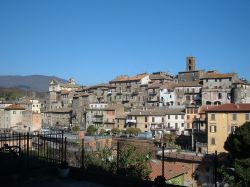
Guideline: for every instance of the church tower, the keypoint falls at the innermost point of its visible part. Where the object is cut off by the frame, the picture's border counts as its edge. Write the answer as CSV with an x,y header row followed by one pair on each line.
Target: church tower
x,y
190,64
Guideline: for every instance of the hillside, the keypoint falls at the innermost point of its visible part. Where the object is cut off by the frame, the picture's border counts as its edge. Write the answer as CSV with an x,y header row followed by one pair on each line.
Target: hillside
x,y
37,83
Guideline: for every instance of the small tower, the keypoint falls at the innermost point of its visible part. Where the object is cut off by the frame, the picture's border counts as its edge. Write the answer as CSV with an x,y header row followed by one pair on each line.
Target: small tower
x,y
190,64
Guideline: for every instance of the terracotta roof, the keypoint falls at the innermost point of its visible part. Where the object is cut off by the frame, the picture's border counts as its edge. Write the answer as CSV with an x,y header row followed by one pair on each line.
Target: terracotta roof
x,y
217,75
171,170
121,78
188,84
138,77
14,107
65,92
127,79
230,108
203,108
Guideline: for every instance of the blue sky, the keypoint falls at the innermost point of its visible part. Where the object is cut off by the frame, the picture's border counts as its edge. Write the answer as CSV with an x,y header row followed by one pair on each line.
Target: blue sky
x,y
96,40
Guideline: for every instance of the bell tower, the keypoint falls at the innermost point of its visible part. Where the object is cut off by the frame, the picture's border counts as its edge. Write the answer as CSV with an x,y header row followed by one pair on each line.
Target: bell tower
x,y
190,61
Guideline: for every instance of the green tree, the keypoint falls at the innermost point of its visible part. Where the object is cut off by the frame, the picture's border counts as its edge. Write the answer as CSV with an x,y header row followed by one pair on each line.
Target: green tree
x,y
169,138
133,161
76,128
102,132
238,146
133,131
115,131
91,130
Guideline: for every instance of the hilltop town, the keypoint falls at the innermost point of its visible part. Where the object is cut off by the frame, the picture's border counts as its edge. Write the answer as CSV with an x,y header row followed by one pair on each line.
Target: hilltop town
x,y
191,114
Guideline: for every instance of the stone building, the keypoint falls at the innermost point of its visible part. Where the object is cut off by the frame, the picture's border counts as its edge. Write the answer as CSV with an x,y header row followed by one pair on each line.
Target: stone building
x,y
241,92
188,93
130,91
13,116
191,74
153,94
217,88
102,115
60,95
147,120
161,77
57,118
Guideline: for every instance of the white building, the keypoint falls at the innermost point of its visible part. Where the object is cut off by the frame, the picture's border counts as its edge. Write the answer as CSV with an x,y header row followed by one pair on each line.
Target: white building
x,y
175,121
167,95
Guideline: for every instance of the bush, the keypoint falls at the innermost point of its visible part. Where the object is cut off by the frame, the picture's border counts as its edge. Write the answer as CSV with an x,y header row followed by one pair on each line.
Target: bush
x,y
91,130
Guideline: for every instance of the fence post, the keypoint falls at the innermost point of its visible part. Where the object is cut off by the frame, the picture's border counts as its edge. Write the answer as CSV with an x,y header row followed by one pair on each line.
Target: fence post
x,y
82,159
38,146
215,169
62,148
65,149
27,149
118,157
163,164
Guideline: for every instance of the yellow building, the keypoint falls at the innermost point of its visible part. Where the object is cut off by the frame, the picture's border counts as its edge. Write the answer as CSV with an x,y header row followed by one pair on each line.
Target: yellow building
x,y
223,120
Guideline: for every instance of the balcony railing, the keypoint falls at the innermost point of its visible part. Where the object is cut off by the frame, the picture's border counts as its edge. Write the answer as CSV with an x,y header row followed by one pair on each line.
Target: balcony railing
x,y
130,121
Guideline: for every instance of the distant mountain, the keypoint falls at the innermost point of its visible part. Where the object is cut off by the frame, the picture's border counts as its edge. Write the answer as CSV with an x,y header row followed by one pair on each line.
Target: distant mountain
x,y
33,82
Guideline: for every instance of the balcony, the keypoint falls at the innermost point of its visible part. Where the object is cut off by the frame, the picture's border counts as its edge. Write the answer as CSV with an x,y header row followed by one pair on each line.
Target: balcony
x,y
109,121
98,115
153,99
97,120
157,127
152,93
130,121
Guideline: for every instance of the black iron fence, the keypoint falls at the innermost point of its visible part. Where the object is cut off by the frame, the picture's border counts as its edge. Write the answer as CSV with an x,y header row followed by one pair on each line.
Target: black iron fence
x,y
25,151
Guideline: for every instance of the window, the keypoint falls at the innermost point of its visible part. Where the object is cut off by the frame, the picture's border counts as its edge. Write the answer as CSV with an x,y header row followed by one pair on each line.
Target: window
x,y
153,119
146,126
188,117
182,117
162,119
176,117
213,117
182,125
247,117
212,141
234,117
233,128
146,119
168,116
168,125
14,112
176,126
213,128
219,95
